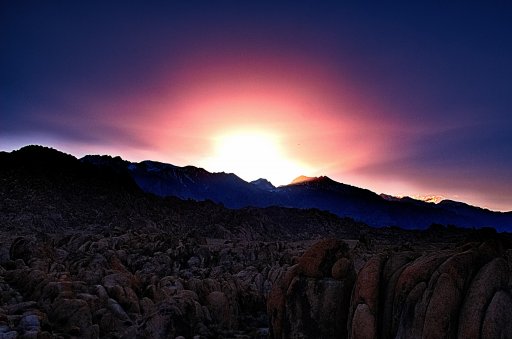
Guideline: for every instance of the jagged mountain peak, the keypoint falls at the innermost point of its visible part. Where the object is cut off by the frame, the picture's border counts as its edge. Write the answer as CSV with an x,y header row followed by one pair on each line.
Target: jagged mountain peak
x,y
432,199
103,160
305,179
322,181
36,153
435,199
302,178
35,158
263,184
389,197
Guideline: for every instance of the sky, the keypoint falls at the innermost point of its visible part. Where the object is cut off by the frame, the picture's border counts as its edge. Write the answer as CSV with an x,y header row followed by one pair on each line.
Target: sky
x,y
409,98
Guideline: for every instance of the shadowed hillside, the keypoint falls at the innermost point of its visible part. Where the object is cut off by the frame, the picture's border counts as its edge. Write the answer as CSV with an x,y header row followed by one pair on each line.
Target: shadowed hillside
x,y
318,192
46,190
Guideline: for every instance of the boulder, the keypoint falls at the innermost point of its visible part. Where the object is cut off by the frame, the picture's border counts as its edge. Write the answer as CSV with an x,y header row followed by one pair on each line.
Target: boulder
x,y
318,260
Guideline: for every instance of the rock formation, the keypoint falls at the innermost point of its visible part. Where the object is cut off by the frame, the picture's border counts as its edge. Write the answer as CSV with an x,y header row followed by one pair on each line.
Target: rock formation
x,y
312,298
137,284
461,292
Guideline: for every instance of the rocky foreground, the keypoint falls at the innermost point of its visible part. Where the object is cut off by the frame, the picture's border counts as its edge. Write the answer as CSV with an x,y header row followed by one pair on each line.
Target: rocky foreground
x,y
150,284
137,284
85,254
461,292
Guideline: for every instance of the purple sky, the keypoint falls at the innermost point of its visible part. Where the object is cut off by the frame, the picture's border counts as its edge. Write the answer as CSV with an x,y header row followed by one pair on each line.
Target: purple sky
x,y
408,99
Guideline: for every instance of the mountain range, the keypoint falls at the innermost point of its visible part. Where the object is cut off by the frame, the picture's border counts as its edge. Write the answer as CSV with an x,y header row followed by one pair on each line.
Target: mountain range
x,y
197,184
322,193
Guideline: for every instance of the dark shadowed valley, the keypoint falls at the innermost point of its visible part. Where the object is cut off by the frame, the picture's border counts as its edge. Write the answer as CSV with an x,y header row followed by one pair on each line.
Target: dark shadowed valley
x,y
93,248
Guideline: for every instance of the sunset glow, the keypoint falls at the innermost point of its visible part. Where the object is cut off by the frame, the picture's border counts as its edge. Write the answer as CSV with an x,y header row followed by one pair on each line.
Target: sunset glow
x,y
276,90
253,155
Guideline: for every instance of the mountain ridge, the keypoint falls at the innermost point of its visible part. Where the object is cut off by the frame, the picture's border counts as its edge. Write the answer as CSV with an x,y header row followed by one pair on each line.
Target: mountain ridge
x,y
323,193
320,192
68,195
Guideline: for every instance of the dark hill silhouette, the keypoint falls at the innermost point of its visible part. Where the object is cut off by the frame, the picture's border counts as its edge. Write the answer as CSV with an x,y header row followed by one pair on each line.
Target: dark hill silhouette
x,y
44,190
121,184
187,182
306,192
264,184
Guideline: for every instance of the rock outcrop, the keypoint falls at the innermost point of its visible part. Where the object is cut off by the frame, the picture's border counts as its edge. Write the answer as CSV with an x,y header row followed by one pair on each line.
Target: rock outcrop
x,y
312,298
461,292
137,284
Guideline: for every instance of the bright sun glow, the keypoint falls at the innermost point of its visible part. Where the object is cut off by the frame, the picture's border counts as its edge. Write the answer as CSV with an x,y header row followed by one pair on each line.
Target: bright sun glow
x,y
253,155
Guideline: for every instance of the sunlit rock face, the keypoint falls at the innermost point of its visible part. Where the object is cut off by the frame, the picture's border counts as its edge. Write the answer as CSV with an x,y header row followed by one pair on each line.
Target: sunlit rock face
x,y
303,178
